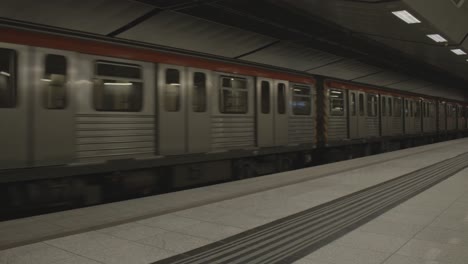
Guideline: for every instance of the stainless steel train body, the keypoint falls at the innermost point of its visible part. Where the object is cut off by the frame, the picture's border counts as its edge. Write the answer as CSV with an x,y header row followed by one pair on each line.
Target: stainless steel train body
x,y
73,107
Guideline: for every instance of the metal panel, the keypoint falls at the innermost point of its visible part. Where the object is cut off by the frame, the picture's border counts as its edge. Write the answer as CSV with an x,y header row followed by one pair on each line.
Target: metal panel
x,y
336,125
345,69
353,102
53,144
291,56
232,132
103,135
186,32
14,138
97,16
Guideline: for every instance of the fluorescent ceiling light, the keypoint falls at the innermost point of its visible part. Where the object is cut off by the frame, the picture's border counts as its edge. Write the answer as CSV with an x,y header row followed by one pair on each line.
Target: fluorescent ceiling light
x,y
46,80
458,51
437,38
5,73
336,92
118,84
406,16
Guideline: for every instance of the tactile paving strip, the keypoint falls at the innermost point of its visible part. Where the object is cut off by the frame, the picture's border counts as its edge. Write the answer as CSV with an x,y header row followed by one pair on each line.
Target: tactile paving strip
x,y
293,237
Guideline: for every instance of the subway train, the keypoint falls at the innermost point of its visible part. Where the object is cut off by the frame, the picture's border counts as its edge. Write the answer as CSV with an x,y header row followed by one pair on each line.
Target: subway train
x,y
83,117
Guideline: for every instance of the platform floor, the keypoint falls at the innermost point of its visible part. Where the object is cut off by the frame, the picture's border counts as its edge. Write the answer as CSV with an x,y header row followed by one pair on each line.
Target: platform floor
x,y
432,226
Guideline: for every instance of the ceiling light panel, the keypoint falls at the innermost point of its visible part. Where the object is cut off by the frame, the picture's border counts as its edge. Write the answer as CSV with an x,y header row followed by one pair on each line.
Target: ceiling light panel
x,y
458,51
437,38
406,16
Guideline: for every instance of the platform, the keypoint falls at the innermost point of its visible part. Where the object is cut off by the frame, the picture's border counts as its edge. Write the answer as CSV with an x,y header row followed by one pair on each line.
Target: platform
x,y
430,226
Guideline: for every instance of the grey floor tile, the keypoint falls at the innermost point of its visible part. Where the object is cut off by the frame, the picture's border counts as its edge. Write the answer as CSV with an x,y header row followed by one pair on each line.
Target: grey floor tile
x,y
210,231
132,231
175,242
38,253
337,254
399,259
372,241
391,228
169,222
435,251
443,235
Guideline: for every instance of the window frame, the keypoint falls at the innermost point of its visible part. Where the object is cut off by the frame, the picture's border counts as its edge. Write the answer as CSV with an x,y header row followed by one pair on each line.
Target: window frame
x,y
195,103
139,85
265,97
332,100
65,84
296,96
372,104
281,101
222,88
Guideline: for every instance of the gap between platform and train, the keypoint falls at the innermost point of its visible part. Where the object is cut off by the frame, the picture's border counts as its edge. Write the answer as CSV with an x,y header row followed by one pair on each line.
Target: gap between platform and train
x,y
291,238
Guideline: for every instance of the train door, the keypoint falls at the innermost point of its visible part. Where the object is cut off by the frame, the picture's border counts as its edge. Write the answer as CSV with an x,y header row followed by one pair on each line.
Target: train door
x,y
171,109
53,108
198,128
280,101
183,111
272,117
14,86
362,115
384,121
265,113
353,114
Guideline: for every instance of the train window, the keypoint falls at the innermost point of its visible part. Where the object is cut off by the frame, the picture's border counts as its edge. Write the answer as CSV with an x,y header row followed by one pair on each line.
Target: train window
x,y
265,97
281,98
384,106
371,105
199,92
406,108
233,95
353,104
113,92
7,78
172,91
390,106
361,104
336,103
301,101
53,83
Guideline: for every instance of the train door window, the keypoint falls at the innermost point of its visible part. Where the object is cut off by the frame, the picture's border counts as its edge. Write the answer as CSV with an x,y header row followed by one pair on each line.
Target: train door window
x,y
336,102
384,106
301,101
53,83
371,105
390,106
234,95
117,87
353,104
172,91
361,104
397,106
406,108
199,92
281,98
7,78
265,97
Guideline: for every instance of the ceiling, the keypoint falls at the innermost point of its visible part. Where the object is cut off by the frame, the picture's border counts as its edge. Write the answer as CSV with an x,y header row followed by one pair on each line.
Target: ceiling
x,y
357,40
